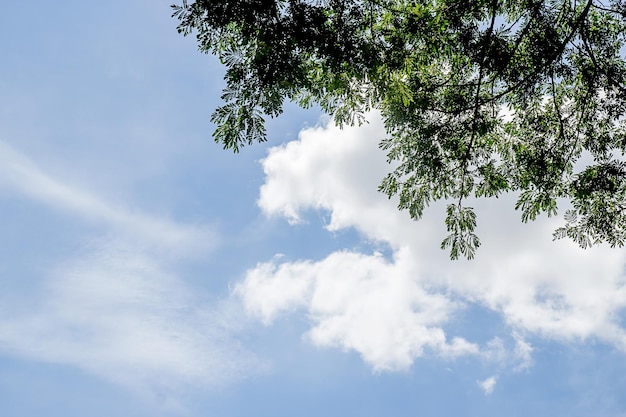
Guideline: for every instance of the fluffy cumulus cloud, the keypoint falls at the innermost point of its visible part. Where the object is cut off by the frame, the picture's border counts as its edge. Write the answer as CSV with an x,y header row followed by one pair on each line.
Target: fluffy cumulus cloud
x,y
392,309
357,301
118,307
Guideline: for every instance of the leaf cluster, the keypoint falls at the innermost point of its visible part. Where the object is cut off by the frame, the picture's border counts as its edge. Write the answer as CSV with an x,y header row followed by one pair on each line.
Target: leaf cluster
x,y
479,97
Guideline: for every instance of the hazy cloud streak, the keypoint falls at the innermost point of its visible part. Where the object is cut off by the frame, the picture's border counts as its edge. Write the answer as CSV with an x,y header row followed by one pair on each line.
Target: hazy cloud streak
x,y
119,308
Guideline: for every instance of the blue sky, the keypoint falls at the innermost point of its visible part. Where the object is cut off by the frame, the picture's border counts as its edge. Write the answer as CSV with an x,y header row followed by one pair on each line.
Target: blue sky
x,y
145,271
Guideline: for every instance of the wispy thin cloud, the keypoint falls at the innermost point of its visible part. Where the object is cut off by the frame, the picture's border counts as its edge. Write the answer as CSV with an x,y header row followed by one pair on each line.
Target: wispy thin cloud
x,y
19,173
488,385
121,315
120,308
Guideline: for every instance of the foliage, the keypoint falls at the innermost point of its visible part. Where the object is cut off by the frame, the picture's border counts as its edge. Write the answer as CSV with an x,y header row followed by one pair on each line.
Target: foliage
x,y
479,97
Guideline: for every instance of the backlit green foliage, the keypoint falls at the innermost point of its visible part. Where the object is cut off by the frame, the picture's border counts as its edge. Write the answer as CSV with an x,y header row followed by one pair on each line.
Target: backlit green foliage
x,y
479,97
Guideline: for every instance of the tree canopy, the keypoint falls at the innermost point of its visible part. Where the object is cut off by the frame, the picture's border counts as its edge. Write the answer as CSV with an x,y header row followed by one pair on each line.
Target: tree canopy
x,y
479,97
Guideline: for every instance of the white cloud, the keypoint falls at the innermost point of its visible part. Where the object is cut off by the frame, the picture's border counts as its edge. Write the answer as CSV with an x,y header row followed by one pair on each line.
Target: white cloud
x,y
119,308
359,302
389,311
275,288
19,173
488,385
119,314
523,352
